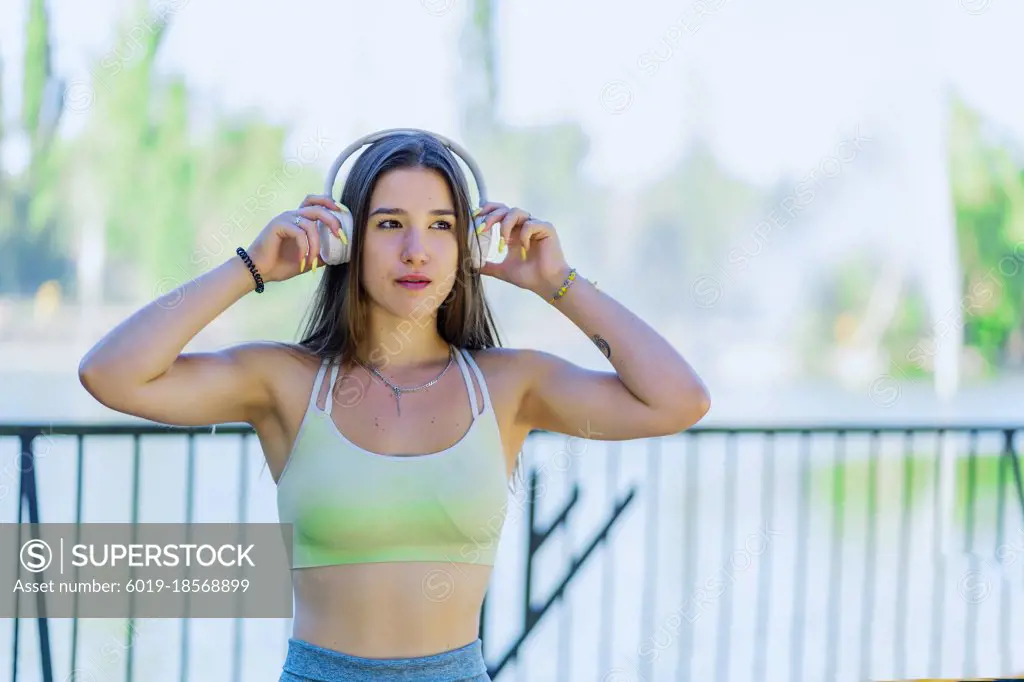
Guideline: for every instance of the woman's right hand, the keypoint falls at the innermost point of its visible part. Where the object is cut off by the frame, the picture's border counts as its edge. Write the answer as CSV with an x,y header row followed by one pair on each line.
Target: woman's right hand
x,y
290,243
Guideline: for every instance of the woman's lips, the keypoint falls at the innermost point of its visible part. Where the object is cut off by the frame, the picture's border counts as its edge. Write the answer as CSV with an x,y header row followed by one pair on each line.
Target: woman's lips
x,y
413,285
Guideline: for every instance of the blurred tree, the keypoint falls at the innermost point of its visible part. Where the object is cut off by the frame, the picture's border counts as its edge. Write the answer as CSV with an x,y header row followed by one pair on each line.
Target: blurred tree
x,y
988,191
174,203
478,72
29,210
695,220
536,167
6,216
37,69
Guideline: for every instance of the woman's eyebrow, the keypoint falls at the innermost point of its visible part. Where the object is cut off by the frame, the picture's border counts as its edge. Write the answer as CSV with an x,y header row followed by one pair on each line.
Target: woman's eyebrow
x,y
399,211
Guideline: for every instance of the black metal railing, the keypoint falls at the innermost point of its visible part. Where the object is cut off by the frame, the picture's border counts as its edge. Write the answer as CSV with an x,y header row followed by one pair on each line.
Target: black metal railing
x,y
877,552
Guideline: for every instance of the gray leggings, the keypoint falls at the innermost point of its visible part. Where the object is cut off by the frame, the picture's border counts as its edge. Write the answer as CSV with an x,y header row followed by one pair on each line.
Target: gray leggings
x,y
308,662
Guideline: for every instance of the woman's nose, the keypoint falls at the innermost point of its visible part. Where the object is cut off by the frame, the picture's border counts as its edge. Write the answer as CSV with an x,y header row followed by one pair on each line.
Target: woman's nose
x,y
414,249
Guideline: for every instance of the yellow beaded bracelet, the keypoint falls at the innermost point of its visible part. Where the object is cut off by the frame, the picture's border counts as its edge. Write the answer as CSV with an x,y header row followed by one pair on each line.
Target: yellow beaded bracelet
x,y
565,285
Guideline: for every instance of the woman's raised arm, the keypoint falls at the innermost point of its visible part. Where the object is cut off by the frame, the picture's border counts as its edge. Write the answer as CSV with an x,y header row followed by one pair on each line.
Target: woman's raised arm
x,y
138,368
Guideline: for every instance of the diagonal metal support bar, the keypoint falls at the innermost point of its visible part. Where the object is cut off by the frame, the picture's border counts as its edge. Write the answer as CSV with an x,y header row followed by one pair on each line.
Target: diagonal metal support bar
x,y
531,614
28,496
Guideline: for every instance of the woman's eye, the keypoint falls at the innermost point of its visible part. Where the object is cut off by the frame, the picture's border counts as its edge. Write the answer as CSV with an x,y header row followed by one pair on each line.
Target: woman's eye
x,y
394,225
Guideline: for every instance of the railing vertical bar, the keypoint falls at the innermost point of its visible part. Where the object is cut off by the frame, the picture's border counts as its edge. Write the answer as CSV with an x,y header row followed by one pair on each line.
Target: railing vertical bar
x,y
799,619
971,619
1019,482
764,582
189,513
867,604
79,492
243,515
31,492
17,568
136,456
608,566
972,463
533,543
1004,602
650,553
568,552
836,555
722,641
939,561
32,498
1001,471
691,492
1018,476
903,568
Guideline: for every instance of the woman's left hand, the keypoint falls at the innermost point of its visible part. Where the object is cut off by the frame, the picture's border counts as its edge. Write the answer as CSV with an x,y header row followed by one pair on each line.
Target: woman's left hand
x,y
534,259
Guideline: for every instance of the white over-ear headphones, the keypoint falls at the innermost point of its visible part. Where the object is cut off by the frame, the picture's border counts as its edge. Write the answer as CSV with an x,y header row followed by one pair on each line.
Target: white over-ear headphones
x,y
334,250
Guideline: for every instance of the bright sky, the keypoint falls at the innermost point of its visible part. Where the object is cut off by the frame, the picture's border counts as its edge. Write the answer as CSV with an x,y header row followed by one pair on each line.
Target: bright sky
x,y
773,85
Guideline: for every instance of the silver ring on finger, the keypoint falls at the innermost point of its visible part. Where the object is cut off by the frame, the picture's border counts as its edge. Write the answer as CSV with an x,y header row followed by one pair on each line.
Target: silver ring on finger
x,y
298,220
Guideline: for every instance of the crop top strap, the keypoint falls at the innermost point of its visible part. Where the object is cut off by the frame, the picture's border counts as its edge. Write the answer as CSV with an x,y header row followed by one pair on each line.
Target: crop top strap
x,y
318,383
329,400
315,393
479,380
469,382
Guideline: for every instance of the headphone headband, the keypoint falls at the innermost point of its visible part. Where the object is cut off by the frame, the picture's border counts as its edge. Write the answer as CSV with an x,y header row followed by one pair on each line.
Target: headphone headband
x,y
454,147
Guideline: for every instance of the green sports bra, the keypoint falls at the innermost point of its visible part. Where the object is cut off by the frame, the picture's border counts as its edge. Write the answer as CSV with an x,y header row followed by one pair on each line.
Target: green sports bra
x,y
348,505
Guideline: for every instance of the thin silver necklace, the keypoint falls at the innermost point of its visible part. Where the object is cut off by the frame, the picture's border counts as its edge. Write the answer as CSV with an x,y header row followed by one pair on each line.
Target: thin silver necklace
x,y
399,390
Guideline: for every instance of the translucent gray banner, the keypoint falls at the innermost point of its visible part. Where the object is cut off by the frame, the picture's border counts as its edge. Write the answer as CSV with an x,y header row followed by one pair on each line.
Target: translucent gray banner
x,y
150,570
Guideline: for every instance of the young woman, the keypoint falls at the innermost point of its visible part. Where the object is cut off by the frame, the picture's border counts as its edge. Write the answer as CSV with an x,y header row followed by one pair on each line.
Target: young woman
x,y
393,470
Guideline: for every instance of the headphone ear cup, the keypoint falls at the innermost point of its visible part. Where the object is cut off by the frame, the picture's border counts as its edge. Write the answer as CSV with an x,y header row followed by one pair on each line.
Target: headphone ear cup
x,y
480,251
334,251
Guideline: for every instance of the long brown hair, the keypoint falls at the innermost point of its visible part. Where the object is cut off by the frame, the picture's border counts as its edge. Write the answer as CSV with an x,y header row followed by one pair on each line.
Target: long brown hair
x,y
335,327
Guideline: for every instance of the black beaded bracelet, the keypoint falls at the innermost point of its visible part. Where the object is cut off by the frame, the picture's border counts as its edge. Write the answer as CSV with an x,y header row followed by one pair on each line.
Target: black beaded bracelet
x,y
252,268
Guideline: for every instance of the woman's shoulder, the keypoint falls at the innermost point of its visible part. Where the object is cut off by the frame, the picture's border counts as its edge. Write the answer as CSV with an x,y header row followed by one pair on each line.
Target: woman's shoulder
x,y
274,359
286,370
508,357
273,351
499,356
502,361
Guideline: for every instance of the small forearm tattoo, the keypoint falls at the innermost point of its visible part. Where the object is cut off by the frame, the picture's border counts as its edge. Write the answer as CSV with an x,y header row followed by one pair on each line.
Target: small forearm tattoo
x,y
603,346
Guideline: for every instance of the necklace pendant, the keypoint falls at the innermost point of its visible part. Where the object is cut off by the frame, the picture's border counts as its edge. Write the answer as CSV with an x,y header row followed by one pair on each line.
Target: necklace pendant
x,y
398,400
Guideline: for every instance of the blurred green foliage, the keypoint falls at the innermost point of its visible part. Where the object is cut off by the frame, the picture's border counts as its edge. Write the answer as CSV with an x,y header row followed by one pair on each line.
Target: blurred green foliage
x,y
988,191
696,213
30,247
982,488
167,203
987,183
176,203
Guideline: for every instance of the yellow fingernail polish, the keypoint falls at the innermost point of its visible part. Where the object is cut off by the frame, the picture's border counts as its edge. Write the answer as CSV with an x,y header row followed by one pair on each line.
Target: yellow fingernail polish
x,y
501,244
314,264
302,264
522,251
476,212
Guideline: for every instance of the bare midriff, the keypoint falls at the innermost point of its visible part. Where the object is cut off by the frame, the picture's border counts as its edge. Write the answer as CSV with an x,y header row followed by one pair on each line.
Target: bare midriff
x,y
390,610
